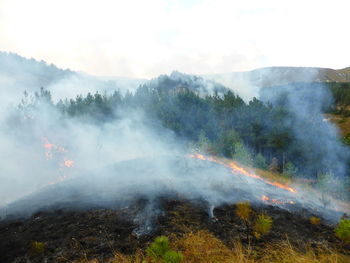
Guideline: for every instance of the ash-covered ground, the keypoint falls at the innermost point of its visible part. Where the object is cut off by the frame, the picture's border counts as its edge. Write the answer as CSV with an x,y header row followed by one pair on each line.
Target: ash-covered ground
x,y
97,233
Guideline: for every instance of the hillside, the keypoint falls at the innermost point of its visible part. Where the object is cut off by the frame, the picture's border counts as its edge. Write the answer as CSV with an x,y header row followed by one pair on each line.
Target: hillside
x,y
106,218
275,76
19,74
102,175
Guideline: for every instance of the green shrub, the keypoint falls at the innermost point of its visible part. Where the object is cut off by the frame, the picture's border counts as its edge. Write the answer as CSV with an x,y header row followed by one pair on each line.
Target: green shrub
x,y
260,161
172,257
290,169
262,225
342,231
160,250
242,154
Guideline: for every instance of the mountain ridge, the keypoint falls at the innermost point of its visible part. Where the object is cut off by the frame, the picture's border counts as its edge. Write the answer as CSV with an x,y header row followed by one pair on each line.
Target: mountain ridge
x,y
275,76
18,74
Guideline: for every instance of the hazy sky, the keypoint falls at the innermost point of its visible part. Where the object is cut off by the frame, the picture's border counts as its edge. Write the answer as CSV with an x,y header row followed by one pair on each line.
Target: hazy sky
x,y
144,38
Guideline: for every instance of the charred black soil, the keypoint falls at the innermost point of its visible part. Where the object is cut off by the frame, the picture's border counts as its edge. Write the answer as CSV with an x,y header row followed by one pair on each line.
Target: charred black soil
x,y
69,235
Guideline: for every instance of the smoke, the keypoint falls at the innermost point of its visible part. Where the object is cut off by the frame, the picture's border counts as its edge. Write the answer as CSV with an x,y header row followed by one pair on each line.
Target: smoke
x,y
322,150
113,165
89,145
300,91
49,160
248,84
240,82
197,84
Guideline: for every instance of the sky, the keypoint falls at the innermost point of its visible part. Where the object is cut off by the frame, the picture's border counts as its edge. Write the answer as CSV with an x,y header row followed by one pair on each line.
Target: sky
x,y
145,38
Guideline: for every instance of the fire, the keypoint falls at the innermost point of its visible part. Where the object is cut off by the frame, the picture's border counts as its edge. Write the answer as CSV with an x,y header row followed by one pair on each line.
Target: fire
x,y
68,163
48,147
237,169
52,150
265,198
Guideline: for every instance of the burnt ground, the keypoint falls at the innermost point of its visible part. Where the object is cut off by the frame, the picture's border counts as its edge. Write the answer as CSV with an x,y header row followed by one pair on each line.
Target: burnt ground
x,y
70,235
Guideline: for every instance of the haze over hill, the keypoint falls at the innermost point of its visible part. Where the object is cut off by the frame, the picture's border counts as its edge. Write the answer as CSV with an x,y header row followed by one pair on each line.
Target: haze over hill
x,y
249,82
18,74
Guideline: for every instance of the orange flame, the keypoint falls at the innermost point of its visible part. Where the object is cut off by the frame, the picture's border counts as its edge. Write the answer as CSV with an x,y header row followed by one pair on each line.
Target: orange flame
x,y
237,169
51,150
68,163
265,198
50,147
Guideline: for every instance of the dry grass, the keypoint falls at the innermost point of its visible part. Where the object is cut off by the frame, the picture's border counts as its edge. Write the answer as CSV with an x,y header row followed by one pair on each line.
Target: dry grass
x,y
286,253
202,246
138,257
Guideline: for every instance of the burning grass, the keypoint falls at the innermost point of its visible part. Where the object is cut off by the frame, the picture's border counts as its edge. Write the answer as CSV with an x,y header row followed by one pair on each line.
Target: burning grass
x,y
268,178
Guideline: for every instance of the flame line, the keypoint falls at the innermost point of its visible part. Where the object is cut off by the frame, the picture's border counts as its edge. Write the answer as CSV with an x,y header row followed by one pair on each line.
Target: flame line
x,y
237,169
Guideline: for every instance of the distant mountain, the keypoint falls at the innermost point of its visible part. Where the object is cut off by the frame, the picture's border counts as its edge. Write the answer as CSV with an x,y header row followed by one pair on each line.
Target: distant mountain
x,y
275,76
18,70
19,74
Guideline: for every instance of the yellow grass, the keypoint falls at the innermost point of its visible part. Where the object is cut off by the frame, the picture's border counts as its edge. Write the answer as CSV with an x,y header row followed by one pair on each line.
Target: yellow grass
x,y
202,246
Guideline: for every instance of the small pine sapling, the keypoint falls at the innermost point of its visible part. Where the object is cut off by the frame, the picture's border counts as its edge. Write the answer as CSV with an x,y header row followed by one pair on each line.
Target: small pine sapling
x,y
262,225
159,250
172,257
342,231
244,211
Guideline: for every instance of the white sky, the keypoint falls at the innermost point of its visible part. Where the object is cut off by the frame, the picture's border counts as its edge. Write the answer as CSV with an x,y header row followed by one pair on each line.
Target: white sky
x,y
145,38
